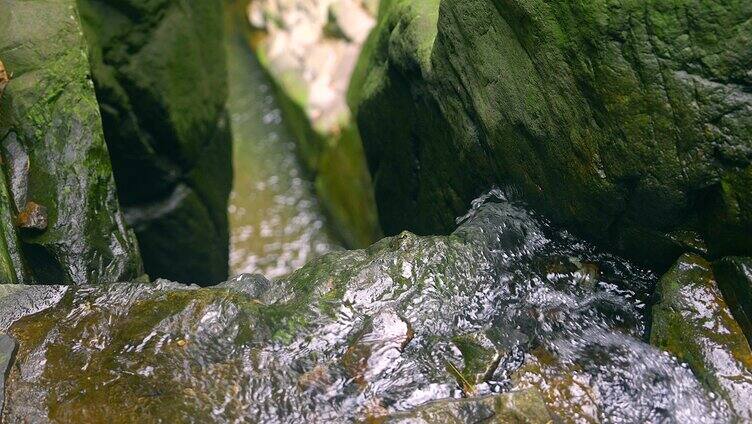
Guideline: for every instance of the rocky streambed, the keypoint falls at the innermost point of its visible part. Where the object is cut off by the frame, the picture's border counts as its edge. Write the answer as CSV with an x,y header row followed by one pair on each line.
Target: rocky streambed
x,y
611,281
507,318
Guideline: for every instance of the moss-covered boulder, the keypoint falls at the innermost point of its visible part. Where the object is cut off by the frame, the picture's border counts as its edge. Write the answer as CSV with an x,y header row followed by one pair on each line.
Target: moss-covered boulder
x,y
693,321
309,49
734,275
61,222
629,121
160,78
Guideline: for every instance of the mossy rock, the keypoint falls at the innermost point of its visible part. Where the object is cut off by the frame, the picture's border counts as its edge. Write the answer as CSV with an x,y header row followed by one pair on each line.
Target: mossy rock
x,y
58,185
693,322
734,276
161,81
627,121
8,347
566,389
480,357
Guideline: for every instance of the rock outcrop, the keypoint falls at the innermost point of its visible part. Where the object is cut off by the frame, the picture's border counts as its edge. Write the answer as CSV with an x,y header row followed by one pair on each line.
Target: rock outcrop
x,y
628,121
693,321
59,212
160,77
734,275
310,48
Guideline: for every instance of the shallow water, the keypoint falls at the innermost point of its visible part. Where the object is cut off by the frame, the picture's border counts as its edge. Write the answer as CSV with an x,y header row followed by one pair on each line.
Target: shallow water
x,y
505,302
275,219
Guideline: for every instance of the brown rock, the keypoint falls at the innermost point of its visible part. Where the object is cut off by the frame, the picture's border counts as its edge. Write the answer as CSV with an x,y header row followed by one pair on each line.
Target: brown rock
x,y
4,78
33,216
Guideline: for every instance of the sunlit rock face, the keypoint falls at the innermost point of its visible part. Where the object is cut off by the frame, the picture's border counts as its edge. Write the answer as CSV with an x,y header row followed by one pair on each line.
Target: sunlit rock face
x,y
60,220
627,121
3,78
504,304
161,81
313,46
310,48
517,407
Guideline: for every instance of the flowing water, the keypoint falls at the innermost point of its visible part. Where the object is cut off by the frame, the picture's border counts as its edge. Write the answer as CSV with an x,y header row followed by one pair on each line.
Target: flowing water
x,y
275,220
504,303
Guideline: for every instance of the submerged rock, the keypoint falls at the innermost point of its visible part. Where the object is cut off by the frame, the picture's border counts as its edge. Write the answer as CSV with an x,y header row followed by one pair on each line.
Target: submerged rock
x,y
309,49
57,183
355,335
694,322
161,81
523,407
628,121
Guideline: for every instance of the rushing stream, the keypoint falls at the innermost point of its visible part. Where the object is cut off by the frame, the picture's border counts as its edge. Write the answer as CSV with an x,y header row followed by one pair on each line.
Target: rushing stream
x,y
276,222
504,303
116,166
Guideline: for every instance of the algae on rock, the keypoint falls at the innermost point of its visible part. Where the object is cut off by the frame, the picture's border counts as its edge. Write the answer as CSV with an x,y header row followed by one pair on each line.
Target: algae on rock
x,y
57,186
734,275
160,77
694,322
627,121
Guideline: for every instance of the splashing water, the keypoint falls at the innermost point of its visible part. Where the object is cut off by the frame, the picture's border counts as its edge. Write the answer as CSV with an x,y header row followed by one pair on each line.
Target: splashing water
x,y
504,303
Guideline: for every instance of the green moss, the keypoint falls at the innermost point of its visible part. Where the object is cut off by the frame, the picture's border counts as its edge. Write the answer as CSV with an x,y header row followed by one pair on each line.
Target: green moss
x,y
479,355
49,110
161,81
616,119
728,217
735,281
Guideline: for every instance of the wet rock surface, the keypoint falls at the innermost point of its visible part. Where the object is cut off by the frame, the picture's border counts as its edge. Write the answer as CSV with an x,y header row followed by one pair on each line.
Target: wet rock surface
x,y
693,322
8,348
734,276
4,78
161,82
508,408
365,334
629,122
57,184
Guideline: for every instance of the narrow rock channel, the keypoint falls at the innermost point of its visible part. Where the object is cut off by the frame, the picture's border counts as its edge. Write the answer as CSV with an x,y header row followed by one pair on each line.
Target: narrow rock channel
x,y
276,224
